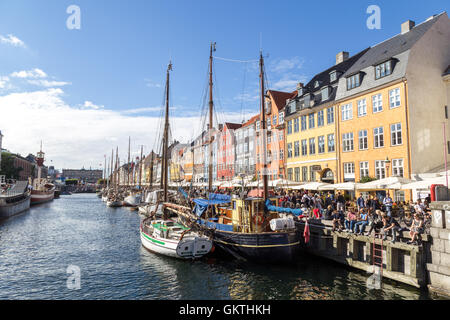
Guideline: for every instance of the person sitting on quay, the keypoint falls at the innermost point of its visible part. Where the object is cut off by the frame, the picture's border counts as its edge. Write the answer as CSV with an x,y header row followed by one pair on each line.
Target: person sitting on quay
x,y
350,221
387,202
416,229
375,222
419,207
363,221
361,202
328,212
340,202
338,220
390,226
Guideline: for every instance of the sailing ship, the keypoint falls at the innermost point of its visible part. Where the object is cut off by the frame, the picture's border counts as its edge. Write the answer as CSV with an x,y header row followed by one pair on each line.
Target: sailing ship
x,y
158,232
42,189
14,197
244,228
114,198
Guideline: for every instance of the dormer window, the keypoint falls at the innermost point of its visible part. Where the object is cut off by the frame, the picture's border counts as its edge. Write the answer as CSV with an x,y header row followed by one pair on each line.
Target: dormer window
x,y
300,91
316,84
353,81
325,92
383,69
333,76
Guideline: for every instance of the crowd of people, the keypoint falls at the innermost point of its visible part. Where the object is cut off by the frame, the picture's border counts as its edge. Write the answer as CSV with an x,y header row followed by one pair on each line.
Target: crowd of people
x,y
361,216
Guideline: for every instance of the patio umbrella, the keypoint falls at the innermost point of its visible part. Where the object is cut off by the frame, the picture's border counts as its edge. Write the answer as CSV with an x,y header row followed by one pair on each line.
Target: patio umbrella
x,y
311,186
383,184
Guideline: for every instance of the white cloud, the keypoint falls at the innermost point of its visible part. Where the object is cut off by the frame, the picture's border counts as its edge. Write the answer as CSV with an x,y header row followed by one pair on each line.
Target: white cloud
x,y
74,137
284,65
152,84
26,74
144,109
4,82
12,40
48,84
288,82
90,105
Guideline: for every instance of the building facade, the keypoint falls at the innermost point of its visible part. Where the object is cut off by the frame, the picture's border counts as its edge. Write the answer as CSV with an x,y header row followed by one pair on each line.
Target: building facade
x,y
90,176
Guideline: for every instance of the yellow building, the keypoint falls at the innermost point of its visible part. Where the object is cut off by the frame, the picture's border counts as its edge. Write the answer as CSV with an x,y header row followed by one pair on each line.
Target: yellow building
x,y
311,153
392,107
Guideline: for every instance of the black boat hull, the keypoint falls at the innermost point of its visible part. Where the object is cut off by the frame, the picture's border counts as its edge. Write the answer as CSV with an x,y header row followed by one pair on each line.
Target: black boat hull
x,y
268,247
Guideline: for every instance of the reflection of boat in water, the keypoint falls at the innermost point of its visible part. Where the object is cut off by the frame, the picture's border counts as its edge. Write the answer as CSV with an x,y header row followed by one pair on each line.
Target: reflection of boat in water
x,y
15,199
244,228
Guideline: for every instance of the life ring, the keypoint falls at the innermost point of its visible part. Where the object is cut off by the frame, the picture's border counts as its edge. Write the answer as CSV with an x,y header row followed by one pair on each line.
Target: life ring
x,y
258,219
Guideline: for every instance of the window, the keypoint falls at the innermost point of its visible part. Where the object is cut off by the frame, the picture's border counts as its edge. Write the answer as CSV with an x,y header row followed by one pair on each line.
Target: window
x,y
289,150
331,143
258,125
378,137
397,167
312,145
296,125
304,148
347,112
446,112
274,120
377,103
312,176
320,120
324,94
304,173
280,135
349,168
362,107
383,70
297,174
289,173
321,144
333,76
396,134
281,115
362,138
289,127
363,169
311,120
399,196
380,169
296,149
281,154
330,115
353,81
303,123
347,142
394,98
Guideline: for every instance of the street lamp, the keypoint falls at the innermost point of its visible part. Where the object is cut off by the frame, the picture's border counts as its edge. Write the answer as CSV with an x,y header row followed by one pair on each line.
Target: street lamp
x,y
387,162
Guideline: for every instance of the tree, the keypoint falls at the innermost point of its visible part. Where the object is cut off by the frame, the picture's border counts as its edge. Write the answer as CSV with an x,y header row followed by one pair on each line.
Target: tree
x,y
366,179
101,181
8,169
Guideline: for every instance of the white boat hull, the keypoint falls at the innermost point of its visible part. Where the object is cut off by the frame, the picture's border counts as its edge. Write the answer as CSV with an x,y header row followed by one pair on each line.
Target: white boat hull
x,y
132,200
191,247
114,203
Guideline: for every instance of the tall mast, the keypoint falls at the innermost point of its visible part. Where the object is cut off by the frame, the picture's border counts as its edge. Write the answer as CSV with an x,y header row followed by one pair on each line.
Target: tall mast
x,y
166,137
140,168
151,171
128,163
263,125
111,176
104,169
117,167
211,108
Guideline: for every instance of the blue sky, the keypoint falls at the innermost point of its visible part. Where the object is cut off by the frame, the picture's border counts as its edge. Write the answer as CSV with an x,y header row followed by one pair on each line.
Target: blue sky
x,y
116,62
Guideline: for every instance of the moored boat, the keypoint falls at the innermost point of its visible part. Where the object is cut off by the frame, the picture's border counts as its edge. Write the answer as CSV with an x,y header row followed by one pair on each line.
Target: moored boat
x,y
42,190
172,239
15,200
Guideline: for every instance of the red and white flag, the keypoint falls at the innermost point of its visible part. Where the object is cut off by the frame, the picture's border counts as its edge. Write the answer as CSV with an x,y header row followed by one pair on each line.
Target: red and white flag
x,y
306,232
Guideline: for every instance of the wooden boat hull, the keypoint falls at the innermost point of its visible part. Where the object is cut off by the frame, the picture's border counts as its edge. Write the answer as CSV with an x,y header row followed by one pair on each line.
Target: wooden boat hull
x,y
10,209
267,247
38,197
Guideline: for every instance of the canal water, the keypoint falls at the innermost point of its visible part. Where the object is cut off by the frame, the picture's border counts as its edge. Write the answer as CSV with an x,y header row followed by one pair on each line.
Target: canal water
x,y
38,246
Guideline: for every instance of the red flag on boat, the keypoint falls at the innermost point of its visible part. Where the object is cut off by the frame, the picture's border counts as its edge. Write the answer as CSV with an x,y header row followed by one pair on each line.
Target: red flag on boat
x,y
306,232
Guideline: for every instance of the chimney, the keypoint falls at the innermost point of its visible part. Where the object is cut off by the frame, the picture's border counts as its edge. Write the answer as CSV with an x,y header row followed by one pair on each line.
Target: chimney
x,y
407,26
341,57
